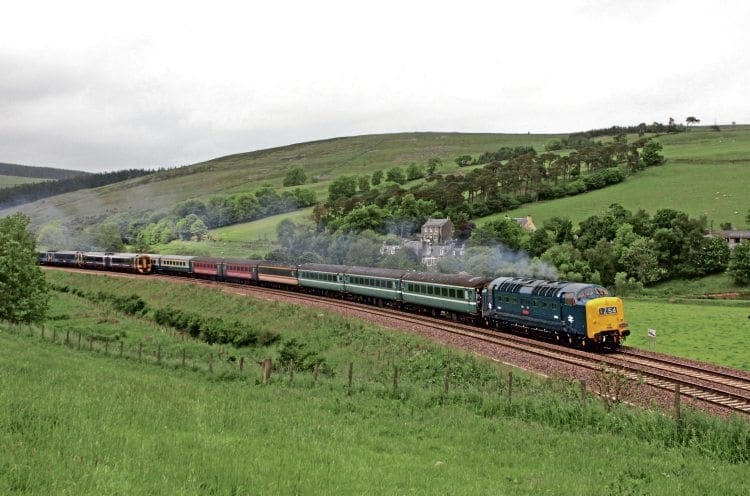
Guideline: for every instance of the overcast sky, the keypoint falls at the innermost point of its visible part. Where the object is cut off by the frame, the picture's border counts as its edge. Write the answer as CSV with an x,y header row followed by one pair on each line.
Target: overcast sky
x,y
111,85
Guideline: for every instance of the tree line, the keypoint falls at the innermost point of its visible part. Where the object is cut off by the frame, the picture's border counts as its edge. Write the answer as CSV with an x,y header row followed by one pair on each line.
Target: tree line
x,y
38,172
26,193
189,220
359,203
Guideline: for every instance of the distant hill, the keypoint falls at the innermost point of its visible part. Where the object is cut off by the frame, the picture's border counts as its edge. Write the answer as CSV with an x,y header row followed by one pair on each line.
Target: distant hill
x,y
38,172
703,173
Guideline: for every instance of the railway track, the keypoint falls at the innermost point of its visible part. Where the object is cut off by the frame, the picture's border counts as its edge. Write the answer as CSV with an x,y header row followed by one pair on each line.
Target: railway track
x,y
704,382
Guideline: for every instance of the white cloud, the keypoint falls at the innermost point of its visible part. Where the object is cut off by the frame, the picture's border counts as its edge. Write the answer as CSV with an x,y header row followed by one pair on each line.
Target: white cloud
x,y
91,85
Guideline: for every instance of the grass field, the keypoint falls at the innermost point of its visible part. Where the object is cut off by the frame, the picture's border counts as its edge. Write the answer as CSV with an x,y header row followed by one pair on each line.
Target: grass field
x,y
81,422
714,190
711,331
8,181
248,240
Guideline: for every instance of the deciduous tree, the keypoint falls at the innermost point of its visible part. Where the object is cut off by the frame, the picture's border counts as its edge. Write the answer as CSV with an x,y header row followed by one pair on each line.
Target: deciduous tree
x,y
739,264
22,285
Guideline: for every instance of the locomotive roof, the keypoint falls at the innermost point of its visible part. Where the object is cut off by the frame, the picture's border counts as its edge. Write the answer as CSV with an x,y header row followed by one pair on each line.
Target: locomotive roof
x,y
464,280
541,287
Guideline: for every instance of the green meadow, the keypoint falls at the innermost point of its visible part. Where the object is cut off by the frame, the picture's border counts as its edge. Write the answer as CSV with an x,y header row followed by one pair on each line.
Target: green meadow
x,y
83,422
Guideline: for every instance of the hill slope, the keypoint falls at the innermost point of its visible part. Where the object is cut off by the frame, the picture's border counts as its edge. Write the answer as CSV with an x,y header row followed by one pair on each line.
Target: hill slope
x,y
322,161
703,175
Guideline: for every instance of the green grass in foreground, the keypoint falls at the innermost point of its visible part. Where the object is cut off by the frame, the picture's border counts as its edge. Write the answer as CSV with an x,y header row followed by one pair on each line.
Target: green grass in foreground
x,y
80,422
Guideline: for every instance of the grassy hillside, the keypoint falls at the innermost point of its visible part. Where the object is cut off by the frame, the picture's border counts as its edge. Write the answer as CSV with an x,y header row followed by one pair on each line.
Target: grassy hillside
x,y
8,181
94,422
716,190
705,175
322,161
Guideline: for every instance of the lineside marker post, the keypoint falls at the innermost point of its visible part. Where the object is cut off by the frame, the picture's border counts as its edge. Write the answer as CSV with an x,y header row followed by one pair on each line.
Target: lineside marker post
x,y
677,412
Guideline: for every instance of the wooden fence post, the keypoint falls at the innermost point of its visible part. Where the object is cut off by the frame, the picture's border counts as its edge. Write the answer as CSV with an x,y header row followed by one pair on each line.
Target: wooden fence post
x,y
266,370
677,412
395,379
583,392
291,372
122,346
106,346
446,380
242,363
351,374
316,368
510,386
67,337
54,334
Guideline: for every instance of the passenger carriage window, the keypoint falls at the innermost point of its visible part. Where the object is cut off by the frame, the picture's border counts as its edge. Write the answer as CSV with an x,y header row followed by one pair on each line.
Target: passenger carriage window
x,y
444,291
452,292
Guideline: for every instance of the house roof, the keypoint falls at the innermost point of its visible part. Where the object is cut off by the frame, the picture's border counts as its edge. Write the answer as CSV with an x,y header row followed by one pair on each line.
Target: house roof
x,y
733,233
436,222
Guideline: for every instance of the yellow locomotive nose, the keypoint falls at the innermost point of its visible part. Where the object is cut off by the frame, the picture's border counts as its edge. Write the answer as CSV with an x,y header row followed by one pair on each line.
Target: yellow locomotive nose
x,y
605,320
